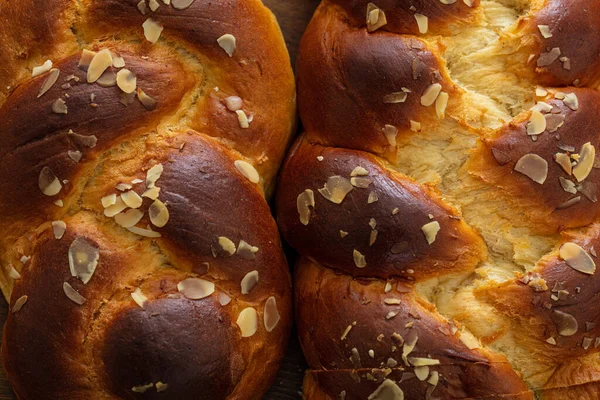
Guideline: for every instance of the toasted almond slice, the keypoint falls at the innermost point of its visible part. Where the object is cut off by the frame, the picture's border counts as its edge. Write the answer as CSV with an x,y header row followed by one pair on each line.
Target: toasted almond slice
x,y
430,230
132,199
129,218
83,259
181,4
336,189
228,43
422,23
566,324
48,182
431,94
115,208
126,81
305,200
153,5
118,61
271,314
375,18
536,124
49,82
60,107
73,294
247,170
249,281
45,67
564,161
388,390
101,61
243,119
153,175
227,245
109,200
440,105
233,103
139,297
196,288
59,228
571,101
390,132
359,259
248,322
144,232
534,167
152,193
545,31
577,258
148,102
152,30
159,214
395,98
587,157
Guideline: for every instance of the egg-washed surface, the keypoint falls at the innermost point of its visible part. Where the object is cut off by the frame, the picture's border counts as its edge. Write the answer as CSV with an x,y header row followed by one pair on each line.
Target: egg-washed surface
x,y
139,142
444,200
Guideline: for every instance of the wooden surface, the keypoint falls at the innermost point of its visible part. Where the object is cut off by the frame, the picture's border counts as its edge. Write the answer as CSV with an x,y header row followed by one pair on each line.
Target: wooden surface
x,y
293,15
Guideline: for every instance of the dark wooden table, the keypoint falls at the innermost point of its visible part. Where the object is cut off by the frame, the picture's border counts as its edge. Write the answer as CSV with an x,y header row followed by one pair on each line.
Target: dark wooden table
x,y
293,15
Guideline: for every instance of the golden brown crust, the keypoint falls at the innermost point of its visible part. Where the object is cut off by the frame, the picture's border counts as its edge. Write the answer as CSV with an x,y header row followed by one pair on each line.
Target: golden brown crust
x,y
139,333
503,221
398,247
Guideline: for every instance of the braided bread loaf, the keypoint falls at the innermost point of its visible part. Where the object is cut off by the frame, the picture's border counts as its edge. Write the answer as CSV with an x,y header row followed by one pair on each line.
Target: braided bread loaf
x,y
444,200
139,254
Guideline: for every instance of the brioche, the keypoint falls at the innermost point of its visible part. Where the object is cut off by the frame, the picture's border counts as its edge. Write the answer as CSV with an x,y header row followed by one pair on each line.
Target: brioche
x,y
139,141
443,199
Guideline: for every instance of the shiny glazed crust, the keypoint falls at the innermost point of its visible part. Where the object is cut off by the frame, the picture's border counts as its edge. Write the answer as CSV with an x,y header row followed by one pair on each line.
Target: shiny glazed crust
x,y
139,333
443,199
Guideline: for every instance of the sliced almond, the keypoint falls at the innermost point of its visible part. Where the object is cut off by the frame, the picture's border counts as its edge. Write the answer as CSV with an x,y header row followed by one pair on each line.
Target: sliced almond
x,y
83,259
75,155
139,297
577,258
129,218
305,200
144,232
545,31
390,132
181,4
271,315
126,81
587,157
45,67
159,214
60,107
228,43
564,161
196,288
247,170
49,82
113,209
440,105
375,18
58,229
233,103
549,57
566,324
395,98
336,188
152,30
148,102
536,124
534,167
73,294
360,182
359,259
152,193
227,245
422,23
248,322
101,61
430,231
48,182
132,199
571,101
388,390
249,281
153,174
431,94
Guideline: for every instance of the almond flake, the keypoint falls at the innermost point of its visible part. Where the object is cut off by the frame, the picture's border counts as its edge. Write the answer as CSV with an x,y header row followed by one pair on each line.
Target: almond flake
x,y
233,103
49,82
430,231
372,198
227,245
41,69
228,43
115,208
360,182
534,167
159,214
139,297
153,5
141,6
271,315
415,126
587,157
390,132
129,218
440,105
247,170
548,58
249,281
248,322
19,303
101,61
395,98
305,200
132,199
181,4
59,107
359,259
58,229
75,155
388,390
536,124
153,174
359,171
243,119
336,189
148,102
375,18
564,161
422,23
83,259
571,101
48,182
152,30
144,232
246,251
196,288
431,94
73,294
545,31
126,81
565,323
577,258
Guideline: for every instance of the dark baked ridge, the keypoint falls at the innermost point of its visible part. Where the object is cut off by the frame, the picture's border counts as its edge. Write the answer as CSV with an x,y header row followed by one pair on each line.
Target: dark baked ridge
x,y
490,298
53,348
